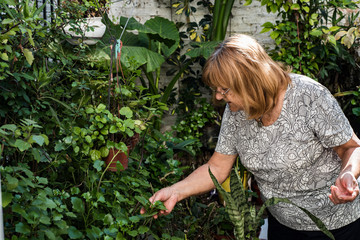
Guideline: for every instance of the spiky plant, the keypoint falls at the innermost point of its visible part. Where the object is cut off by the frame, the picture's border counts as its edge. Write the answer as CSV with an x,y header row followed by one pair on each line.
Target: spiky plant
x,y
243,214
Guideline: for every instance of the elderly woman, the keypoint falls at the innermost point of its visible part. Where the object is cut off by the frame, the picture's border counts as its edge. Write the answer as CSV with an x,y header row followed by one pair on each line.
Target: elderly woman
x,y
290,133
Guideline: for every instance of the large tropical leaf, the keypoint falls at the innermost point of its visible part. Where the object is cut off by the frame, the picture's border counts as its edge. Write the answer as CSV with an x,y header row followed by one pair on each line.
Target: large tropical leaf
x,y
142,56
158,29
167,34
136,46
204,49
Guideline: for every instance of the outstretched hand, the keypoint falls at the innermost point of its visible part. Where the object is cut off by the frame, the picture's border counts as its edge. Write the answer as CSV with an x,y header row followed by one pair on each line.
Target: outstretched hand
x,y
346,189
169,198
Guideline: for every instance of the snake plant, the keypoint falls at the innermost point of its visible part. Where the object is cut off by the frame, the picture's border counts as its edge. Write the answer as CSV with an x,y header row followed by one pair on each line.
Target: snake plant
x,y
243,214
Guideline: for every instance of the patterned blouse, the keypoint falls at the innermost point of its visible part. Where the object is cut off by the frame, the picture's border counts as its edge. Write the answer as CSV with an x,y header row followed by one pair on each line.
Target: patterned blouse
x,y
293,158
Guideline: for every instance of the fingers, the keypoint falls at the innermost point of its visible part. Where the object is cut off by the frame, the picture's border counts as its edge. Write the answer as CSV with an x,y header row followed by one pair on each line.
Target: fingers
x,y
349,181
169,199
339,197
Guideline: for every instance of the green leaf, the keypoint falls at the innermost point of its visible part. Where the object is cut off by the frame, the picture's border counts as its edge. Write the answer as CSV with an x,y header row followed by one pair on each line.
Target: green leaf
x,y
7,21
50,234
22,145
273,8
38,139
356,111
133,233
22,228
331,39
12,182
113,129
100,107
74,233
89,110
88,139
235,215
45,220
295,7
76,130
141,56
28,55
316,32
10,127
78,205
133,24
98,164
36,153
49,203
104,151
46,139
95,154
143,229
31,40
166,32
274,34
108,219
6,198
42,180
142,200
4,56
127,112
59,146
204,49
334,28
135,219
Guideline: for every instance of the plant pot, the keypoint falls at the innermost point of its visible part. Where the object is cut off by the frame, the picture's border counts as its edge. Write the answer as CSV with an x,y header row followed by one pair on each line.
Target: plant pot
x,y
134,140
90,37
118,157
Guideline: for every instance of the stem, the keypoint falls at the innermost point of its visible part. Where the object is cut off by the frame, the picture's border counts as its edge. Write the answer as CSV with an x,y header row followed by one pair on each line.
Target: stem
x,y
107,167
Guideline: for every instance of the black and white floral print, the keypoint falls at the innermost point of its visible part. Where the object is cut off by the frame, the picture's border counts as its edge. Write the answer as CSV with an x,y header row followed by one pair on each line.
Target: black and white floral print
x,y
293,158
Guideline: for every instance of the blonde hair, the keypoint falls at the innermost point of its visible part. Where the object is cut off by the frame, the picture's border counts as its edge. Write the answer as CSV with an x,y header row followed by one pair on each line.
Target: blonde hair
x,y
241,64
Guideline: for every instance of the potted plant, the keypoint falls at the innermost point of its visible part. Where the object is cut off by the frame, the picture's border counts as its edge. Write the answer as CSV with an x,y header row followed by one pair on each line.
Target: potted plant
x,y
95,139
84,17
243,213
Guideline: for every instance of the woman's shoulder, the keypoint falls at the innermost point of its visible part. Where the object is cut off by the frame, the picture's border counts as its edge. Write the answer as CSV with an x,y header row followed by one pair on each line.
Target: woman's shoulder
x,y
305,81
306,86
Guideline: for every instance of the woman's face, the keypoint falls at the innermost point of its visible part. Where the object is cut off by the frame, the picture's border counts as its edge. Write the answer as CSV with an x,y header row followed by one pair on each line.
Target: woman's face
x,y
230,98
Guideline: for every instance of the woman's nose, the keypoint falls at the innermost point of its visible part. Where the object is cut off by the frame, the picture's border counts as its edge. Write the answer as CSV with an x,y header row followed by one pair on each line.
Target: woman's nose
x,y
219,96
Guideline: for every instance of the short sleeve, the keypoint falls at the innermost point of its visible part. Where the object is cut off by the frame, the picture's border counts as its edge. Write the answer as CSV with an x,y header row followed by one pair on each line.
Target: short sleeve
x,y
327,119
226,143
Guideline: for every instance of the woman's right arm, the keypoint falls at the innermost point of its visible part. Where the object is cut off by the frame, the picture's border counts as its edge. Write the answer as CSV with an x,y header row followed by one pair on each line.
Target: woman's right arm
x,y
196,183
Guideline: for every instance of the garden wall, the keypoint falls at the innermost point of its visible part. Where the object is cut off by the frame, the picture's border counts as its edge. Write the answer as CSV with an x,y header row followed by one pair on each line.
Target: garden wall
x,y
245,19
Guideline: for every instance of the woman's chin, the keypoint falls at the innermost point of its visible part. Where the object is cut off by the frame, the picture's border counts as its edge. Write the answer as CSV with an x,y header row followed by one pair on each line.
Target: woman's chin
x,y
234,108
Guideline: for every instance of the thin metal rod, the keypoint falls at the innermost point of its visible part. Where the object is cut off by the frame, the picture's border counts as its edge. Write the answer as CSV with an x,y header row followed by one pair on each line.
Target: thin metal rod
x,y
2,236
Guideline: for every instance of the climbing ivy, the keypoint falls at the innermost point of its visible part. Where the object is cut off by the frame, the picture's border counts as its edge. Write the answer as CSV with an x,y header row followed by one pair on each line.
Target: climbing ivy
x,y
304,36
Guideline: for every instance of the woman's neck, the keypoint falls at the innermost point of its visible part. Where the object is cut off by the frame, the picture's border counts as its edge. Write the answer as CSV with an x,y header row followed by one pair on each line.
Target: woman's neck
x,y
273,114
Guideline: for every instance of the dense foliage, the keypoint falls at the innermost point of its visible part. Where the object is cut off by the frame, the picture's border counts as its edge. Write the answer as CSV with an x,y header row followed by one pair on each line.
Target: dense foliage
x,y
63,107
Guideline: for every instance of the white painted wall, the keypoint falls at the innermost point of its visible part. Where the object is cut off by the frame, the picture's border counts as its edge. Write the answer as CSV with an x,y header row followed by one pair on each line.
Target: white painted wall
x,y
245,19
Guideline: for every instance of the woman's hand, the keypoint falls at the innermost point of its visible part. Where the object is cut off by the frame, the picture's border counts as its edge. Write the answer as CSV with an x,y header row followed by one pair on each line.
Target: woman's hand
x,y
166,195
346,189
198,182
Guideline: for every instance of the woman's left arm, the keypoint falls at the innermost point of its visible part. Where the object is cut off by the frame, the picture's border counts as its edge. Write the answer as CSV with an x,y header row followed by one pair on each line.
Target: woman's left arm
x,y
346,187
